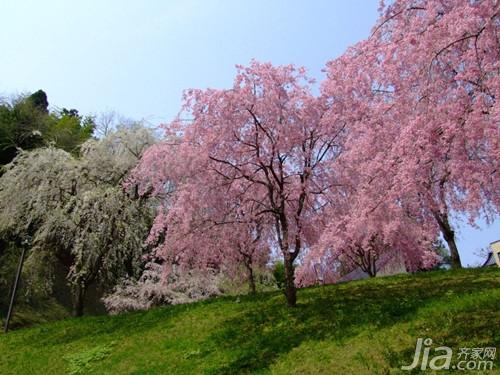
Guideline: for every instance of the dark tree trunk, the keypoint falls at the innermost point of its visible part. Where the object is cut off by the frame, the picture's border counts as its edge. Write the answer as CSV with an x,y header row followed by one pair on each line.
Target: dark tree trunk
x,y
251,279
365,261
290,290
78,298
454,255
371,272
251,284
449,237
373,267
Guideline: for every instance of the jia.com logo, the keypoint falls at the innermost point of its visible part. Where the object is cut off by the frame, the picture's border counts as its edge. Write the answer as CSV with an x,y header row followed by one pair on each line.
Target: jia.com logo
x,y
467,359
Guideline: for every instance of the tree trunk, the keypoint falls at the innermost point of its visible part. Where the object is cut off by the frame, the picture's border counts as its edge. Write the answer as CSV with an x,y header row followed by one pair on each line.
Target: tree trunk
x,y
251,279
78,298
454,255
449,237
290,290
373,268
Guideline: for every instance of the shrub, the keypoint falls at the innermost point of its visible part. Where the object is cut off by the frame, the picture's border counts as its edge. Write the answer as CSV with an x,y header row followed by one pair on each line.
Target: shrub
x,y
279,274
152,290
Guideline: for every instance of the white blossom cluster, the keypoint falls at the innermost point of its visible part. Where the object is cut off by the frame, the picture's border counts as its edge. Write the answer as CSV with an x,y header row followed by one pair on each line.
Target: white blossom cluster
x,y
74,210
152,290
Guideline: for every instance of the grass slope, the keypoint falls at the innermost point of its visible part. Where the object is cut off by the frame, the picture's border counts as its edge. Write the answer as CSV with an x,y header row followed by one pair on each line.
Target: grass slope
x,y
26,315
365,327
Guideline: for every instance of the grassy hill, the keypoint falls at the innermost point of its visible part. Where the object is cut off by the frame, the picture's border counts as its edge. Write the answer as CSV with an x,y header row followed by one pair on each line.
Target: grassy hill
x,y
365,327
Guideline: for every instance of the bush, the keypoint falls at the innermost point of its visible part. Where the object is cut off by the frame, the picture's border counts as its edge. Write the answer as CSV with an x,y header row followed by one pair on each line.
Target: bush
x,y
279,274
152,290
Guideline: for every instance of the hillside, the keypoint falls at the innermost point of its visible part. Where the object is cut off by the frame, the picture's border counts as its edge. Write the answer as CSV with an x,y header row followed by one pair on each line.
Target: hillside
x,y
365,327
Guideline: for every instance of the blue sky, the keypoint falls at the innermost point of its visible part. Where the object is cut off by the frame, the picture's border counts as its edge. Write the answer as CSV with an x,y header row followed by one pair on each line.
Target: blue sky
x,y
136,57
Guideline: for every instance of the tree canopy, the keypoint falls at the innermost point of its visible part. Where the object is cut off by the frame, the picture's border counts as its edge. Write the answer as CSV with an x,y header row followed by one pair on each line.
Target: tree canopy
x,y
75,211
27,123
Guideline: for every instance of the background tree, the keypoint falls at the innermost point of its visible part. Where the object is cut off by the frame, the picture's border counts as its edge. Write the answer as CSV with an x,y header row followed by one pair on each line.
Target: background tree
x,y
106,122
39,101
26,123
76,211
69,130
200,227
151,289
21,127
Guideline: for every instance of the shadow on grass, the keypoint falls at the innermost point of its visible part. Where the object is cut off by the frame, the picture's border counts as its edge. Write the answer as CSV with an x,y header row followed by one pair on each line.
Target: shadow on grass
x,y
65,331
267,329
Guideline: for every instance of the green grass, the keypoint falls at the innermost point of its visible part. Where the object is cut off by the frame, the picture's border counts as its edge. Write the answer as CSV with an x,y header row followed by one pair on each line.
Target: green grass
x,y
365,327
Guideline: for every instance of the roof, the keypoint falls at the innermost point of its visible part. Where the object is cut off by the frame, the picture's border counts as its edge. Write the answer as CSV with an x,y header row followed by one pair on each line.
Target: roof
x,y
494,255
490,261
495,246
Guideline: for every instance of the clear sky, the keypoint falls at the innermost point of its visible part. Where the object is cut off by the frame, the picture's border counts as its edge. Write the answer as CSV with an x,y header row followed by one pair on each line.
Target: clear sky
x,y
136,57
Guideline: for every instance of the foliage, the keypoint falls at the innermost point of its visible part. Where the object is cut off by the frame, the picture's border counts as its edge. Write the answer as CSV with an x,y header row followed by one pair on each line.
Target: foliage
x,y
21,127
76,212
35,302
443,253
420,96
69,130
26,123
38,276
232,284
358,327
39,101
29,312
325,269
279,274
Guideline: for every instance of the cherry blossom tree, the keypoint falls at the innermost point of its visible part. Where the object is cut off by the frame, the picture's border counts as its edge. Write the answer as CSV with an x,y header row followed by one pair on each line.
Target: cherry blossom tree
x,y
76,212
365,228
318,270
264,145
371,234
424,86
205,224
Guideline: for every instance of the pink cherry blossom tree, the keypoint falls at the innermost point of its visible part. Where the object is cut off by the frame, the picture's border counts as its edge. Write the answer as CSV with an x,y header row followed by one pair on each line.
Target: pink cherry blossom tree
x,y
265,145
366,229
205,224
425,83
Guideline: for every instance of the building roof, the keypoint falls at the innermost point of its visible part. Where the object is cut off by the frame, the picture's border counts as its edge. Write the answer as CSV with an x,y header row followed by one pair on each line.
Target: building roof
x,y
494,255
490,261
